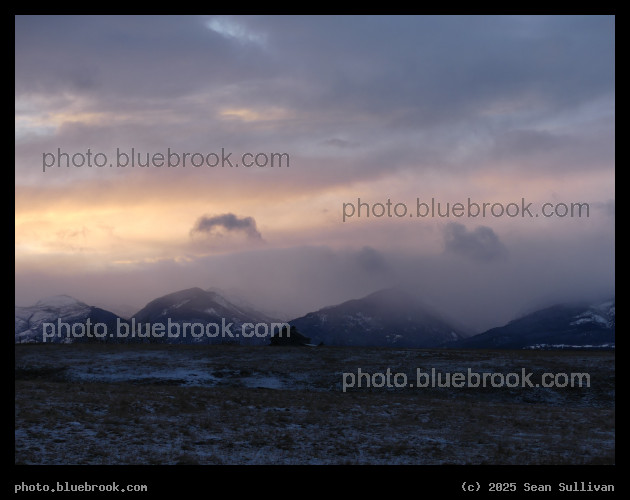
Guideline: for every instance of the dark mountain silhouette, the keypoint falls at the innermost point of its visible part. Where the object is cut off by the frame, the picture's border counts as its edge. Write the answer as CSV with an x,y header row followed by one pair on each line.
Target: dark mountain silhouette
x,y
559,326
390,317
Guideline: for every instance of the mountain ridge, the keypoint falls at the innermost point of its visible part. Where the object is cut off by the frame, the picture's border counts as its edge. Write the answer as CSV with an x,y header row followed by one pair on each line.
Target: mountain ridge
x,y
392,317
563,325
386,317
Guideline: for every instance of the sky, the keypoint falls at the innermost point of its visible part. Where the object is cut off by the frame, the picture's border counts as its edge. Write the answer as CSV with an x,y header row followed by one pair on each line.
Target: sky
x,y
511,111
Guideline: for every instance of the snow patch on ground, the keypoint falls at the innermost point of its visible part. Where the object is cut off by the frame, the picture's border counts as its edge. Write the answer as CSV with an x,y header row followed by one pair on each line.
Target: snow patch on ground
x,y
263,381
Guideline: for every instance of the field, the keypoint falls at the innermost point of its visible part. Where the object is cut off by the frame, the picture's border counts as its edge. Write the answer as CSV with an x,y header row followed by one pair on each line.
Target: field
x,y
150,404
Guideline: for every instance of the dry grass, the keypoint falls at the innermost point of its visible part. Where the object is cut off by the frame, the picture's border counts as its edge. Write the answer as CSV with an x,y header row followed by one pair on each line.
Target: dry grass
x,y
62,418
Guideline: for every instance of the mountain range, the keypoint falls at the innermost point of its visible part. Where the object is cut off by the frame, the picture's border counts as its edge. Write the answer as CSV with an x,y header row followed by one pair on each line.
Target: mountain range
x,y
386,318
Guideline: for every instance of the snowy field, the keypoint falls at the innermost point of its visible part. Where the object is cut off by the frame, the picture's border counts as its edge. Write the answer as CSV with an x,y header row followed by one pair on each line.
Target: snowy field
x,y
149,404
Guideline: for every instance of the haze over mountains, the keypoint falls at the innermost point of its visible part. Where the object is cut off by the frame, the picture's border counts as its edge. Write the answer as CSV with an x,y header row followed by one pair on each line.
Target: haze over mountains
x,y
390,317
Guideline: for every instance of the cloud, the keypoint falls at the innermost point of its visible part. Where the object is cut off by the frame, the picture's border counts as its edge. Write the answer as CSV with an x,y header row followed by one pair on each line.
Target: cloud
x,y
339,143
606,207
371,260
413,93
481,244
228,222
231,29
494,108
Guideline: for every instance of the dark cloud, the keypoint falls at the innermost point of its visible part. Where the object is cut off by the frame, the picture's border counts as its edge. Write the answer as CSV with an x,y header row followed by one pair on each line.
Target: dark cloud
x,y
137,57
410,88
228,222
481,244
573,151
421,71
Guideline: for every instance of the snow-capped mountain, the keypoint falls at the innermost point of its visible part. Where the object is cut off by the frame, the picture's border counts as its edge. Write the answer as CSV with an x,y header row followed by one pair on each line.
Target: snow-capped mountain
x,y
204,309
62,318
560,326
391,317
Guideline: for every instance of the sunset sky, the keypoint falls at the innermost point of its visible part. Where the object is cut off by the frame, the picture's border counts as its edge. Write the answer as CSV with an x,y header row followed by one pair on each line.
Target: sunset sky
x,y
495,109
